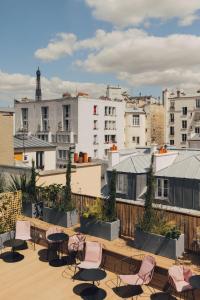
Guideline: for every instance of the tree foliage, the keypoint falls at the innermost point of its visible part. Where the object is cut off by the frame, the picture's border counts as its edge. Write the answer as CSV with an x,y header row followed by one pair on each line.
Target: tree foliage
x,y
148,220
110,203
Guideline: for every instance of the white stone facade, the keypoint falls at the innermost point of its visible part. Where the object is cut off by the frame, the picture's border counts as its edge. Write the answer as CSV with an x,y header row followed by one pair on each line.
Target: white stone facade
x,y
91,125
182,117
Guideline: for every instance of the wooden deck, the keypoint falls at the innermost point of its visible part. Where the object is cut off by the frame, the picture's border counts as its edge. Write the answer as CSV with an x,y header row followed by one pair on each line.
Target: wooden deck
x,y
34,279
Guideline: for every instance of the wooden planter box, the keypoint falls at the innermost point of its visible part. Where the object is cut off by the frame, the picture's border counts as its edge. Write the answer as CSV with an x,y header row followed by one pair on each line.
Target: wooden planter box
x,y
32,210
106,230
158,244
56,217
5,237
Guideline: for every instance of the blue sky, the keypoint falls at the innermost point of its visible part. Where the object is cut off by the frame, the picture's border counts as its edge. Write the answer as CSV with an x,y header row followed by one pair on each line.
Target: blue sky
x,y
138,44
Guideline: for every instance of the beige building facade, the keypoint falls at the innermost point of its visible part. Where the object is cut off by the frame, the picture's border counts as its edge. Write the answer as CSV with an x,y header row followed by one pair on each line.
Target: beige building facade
x,y
85,178
144,123
6,137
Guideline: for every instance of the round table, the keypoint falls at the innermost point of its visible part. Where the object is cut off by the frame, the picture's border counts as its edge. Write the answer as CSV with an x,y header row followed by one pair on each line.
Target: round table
x,y
57,239
93,275
13,256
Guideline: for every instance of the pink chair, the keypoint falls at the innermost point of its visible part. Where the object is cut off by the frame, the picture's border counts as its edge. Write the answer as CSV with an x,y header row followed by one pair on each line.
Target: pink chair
x,y
93,256
23,230
143,277
179,280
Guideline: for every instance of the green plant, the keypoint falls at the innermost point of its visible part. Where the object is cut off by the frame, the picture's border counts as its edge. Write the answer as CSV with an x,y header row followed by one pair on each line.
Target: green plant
x,y
67,203
32,184
148,220
2,183
109,207
95,210
20,183
51,195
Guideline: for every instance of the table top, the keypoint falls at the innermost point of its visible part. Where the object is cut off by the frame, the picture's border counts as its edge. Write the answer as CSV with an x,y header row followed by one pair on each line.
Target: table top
x,y
195,281
13,243
92,274
58,237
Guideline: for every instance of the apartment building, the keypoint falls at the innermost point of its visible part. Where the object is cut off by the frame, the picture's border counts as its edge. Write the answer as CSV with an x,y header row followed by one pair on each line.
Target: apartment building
x,y
182,118
144,119
135,127
6,136
89,125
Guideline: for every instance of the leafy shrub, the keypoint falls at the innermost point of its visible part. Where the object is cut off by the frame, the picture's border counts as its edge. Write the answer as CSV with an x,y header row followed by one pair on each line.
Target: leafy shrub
x,y
94,211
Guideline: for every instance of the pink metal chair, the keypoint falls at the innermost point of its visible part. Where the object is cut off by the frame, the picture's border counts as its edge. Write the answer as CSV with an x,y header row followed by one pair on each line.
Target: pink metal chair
x,y
178,277
143,277
23,230
93,256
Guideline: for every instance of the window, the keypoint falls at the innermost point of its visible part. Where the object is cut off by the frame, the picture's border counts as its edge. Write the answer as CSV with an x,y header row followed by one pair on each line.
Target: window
x,y
45,118
172,105
43,137
136,120
198,103
66,125
162,188
122,184
40,160
197,129
106,138
95,139
133,139
106,152
138,140
172,118
110,111
62,154
171,130
24,120
95,124
184,111
66,116
184,124
184,137
171,142
95,153
95,112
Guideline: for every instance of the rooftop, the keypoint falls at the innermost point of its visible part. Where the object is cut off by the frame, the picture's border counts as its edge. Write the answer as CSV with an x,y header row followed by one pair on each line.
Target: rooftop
x,y
7,109
21,142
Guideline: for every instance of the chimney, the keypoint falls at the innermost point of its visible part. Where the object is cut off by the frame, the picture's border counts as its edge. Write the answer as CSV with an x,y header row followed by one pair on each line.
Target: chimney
x,y
113,158
164,160
178,93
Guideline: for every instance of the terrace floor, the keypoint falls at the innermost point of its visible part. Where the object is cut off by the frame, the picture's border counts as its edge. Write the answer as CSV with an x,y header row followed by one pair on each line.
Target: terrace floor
x,y
32,279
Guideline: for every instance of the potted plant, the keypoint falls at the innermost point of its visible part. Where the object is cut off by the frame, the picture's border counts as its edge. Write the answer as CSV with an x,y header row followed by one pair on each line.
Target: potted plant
x,y
100,219
154,233
31,207
63,212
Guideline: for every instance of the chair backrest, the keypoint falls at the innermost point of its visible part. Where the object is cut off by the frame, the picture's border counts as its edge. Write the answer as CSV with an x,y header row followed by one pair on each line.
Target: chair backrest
x,y
23,230
179,273
53,229
147,269
93,252
76,242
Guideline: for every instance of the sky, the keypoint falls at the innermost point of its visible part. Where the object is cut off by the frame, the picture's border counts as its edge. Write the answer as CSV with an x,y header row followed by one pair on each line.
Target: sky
x,y
144,46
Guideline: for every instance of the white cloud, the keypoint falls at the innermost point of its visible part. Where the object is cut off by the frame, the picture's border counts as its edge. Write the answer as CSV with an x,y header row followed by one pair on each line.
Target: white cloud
x,y
125,13
142,59
63,44
19,85
138,58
